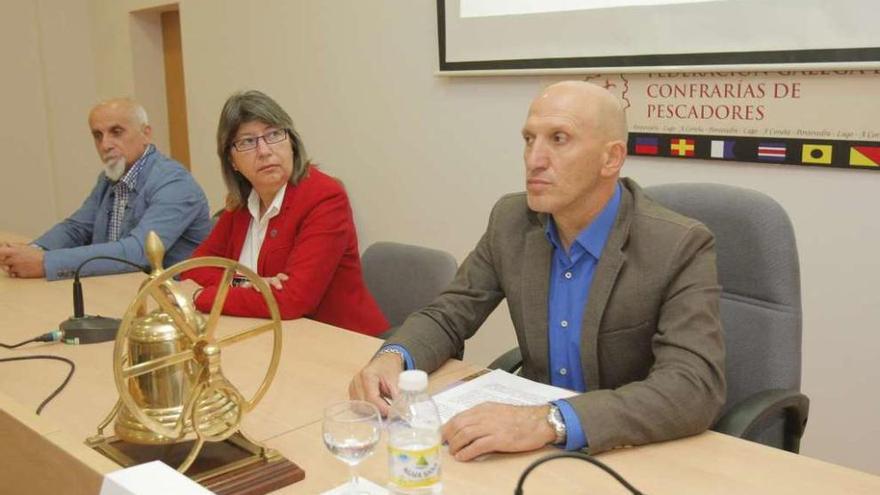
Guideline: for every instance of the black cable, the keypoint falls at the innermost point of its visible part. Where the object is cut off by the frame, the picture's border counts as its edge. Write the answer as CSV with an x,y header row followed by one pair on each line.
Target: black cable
x,y
53,336
56,358
13,346
112,258
56,335
78,311
574,455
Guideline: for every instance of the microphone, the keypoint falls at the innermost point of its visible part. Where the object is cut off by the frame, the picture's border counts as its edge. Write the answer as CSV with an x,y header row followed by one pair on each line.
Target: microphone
x,y
574,455
87,329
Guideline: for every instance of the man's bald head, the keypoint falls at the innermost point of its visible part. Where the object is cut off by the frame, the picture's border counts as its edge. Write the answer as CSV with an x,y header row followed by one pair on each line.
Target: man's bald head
x,y
595,104
575,144
133,110
121,132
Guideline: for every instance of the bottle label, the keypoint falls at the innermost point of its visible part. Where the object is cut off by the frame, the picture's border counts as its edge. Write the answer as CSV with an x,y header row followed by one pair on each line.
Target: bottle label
x,y
414,468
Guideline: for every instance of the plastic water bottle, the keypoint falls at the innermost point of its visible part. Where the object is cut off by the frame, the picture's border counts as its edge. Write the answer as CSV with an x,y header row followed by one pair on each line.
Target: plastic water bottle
x,y
414,438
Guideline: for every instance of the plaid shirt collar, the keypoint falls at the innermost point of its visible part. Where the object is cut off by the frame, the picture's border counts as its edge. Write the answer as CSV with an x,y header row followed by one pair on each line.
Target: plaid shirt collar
x,y
129,178
121,190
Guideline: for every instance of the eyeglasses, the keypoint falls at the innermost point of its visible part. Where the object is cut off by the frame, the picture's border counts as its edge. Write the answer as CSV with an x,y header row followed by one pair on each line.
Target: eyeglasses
x,y
250,142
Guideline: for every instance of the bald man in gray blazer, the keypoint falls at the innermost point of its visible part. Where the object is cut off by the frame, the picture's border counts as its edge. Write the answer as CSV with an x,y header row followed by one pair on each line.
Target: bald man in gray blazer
x,y
610,294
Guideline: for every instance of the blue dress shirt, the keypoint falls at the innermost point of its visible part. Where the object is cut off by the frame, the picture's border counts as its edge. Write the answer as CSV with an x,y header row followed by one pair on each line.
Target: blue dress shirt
x,y
571,275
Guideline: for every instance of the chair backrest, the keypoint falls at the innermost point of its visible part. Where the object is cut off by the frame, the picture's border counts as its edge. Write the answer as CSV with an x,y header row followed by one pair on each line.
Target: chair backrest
x,y
759,272
404,278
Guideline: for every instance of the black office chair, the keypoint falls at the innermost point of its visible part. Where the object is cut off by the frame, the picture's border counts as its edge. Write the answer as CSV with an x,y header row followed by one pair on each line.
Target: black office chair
x,y
405,278
759,272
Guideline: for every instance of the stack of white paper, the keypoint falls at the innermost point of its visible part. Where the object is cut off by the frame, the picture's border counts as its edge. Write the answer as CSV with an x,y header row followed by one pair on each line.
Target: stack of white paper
x,y
496,386
150,478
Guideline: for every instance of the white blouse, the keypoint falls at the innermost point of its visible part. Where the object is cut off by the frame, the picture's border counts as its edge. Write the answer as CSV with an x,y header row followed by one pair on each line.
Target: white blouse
x,y
250,253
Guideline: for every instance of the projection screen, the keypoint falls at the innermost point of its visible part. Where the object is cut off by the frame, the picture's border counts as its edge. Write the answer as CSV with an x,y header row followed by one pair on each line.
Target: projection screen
x,y
641,35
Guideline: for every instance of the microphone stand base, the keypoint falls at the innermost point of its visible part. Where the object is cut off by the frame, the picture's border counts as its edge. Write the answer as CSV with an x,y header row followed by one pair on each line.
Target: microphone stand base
x,y
89,329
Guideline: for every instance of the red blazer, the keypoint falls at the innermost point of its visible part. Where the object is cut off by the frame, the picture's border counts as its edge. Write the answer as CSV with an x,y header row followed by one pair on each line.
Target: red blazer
x,y
313,241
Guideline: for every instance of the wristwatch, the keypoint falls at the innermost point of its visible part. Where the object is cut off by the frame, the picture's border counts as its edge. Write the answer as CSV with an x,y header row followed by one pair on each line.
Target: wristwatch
x,y
392,350
554,417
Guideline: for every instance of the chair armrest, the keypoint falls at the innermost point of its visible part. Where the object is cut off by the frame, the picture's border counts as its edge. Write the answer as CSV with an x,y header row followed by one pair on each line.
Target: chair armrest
x,y
753,410
510,361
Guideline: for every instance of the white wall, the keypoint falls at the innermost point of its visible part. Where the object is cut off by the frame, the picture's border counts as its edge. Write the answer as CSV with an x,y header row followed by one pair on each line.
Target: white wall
x,y
425,157
59,58
46,77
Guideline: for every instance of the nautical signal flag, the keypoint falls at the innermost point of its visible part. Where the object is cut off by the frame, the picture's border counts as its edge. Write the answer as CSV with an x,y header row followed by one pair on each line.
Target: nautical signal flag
x,y
774,152
647,146
681,147
865,155
721,149
816,153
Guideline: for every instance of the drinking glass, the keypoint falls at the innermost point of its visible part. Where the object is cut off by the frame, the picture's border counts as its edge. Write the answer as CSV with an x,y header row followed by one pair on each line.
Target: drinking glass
x,y
351,431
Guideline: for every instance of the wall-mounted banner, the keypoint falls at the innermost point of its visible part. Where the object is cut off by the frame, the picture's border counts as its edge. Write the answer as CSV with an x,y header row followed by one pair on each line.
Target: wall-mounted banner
x,y
814,118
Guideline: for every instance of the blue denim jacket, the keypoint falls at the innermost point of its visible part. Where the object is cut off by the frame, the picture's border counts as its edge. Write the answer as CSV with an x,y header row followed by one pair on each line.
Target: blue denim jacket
x,y
166,199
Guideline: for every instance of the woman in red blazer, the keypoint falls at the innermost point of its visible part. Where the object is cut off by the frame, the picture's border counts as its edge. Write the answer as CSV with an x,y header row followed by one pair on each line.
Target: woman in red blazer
x,y
287,221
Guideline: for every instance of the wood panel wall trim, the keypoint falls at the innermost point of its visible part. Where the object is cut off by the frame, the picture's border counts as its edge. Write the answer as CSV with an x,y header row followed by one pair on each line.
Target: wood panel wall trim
x,y
175,89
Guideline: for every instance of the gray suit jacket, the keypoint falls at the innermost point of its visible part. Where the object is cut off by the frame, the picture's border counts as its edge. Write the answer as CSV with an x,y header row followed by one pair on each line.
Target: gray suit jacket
x,y
652,349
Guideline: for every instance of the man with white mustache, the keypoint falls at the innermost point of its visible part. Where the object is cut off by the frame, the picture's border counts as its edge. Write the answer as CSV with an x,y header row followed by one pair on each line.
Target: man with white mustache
x,y
139,190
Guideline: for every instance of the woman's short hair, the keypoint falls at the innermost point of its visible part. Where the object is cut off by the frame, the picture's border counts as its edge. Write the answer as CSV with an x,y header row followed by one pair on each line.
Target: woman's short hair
x,y
250,106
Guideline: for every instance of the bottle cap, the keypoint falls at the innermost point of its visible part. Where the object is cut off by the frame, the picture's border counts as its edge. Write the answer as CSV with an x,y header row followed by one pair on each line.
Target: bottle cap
x,y
413,380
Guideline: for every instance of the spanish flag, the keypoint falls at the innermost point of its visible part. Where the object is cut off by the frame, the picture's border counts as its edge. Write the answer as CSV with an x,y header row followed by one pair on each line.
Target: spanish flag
x,y
816,153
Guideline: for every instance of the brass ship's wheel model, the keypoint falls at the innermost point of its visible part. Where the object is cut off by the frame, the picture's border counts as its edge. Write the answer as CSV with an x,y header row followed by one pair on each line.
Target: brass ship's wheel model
x,y
167,367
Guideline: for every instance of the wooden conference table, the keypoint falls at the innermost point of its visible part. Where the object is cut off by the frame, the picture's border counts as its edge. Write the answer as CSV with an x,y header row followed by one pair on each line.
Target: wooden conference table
x,y
46,454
